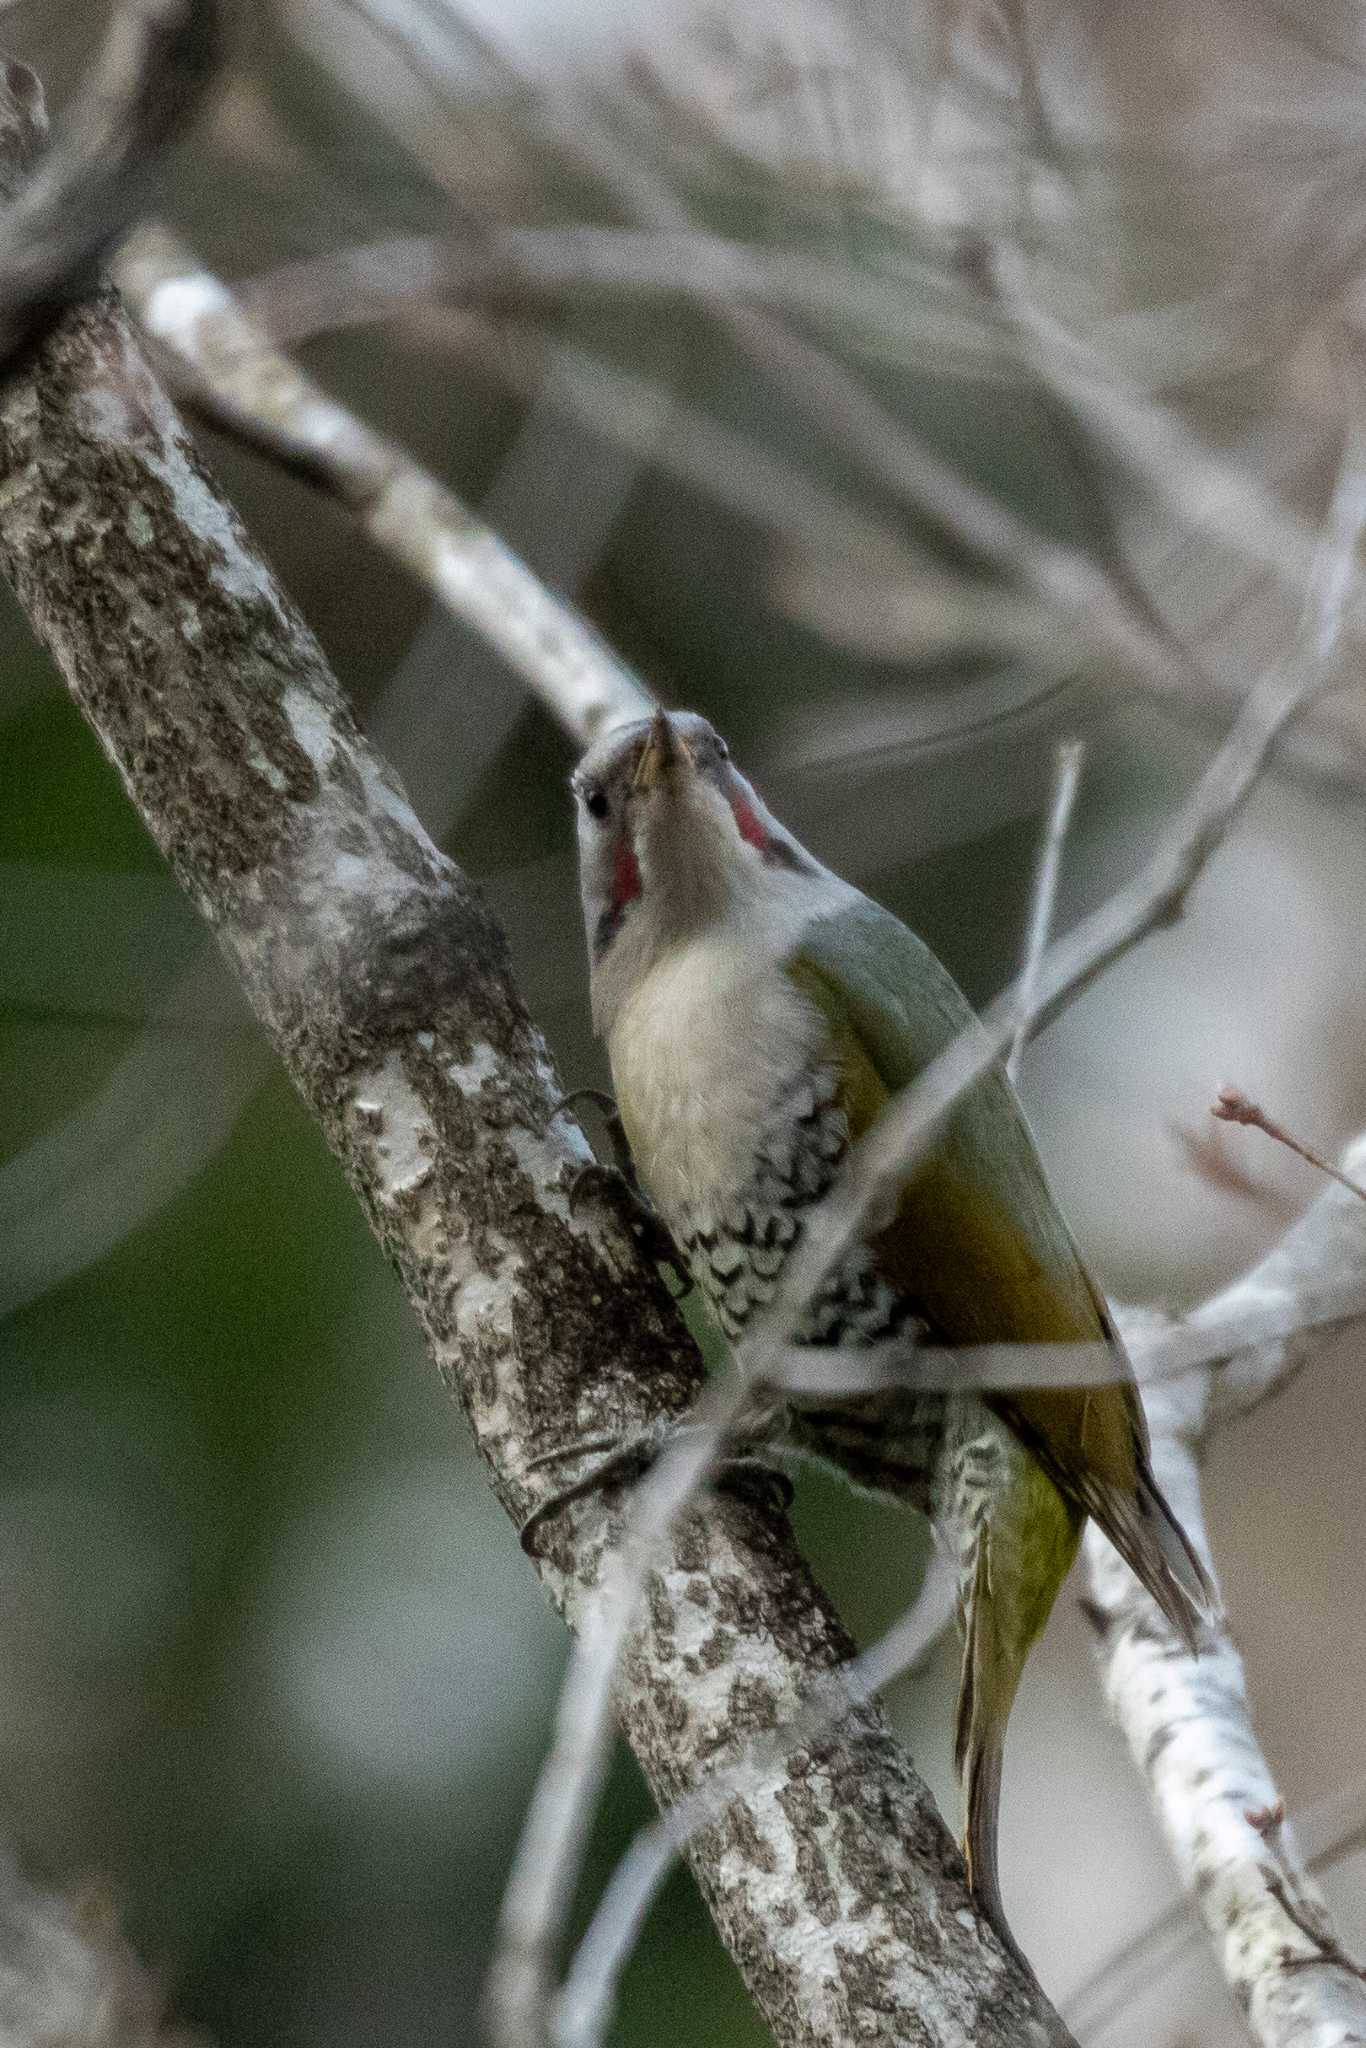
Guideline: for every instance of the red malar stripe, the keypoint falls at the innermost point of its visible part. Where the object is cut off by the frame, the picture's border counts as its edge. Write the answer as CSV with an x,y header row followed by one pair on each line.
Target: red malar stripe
x,y
747,822
625,874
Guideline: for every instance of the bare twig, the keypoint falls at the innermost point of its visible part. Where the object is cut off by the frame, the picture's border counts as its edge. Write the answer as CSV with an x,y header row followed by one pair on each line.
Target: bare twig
x,y
1205,491
1156,897
1065,784
1301,1284
1231,1106
1187,1720
906,1130
154,71
520,267
540,1890
240,382
1236,1321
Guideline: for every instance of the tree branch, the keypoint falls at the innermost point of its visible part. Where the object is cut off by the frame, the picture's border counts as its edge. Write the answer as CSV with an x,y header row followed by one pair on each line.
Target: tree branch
x,y
238,381
384,986
1187,1719
1067,776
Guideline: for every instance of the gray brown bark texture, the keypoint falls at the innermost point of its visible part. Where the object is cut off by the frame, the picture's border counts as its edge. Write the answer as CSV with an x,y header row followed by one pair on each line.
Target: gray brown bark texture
x,y
384,985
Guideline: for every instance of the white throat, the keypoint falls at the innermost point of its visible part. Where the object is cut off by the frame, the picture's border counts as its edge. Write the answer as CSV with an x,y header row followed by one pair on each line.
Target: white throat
x,y
708,1034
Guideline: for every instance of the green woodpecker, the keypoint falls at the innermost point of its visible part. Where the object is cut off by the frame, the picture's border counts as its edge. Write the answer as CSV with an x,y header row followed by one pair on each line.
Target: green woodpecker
x,y
758,1014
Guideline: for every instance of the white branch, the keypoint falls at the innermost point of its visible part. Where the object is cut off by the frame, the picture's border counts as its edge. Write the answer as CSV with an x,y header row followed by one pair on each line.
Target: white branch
x,y
1186,1719
239,380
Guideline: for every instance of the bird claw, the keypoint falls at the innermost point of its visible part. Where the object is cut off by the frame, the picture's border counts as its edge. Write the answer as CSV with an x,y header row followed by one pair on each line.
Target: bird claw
x,y
619,1181
631,1457
612,1124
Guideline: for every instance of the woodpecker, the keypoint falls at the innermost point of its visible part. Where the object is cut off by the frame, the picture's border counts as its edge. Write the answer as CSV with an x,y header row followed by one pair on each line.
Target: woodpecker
x,y
758,1014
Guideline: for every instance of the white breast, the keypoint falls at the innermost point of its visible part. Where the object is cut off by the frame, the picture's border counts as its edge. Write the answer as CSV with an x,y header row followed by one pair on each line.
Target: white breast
x,y
700,1049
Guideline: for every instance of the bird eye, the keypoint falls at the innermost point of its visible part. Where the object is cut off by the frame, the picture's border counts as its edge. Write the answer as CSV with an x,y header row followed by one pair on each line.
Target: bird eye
x,y
595,803
722,750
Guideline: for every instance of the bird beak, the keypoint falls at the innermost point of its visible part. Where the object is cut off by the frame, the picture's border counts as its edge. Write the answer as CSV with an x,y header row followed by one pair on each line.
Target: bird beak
x,y
664,754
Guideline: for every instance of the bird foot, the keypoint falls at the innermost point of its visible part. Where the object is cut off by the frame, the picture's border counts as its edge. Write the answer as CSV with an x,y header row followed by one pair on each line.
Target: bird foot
x,y
618,1182
622,1458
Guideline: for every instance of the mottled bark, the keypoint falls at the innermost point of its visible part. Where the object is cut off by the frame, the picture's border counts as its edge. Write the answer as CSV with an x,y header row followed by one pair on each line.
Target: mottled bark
x,y
384,986
1187,1720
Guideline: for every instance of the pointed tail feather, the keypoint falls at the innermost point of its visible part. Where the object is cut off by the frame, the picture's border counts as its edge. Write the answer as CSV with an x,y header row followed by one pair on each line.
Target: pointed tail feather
x,y
1135,1516
1184,1572
986,1690
1158,1552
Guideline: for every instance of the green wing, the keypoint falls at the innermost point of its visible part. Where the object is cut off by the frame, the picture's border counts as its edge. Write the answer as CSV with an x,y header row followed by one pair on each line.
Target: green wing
x,y
978,1238
978,1242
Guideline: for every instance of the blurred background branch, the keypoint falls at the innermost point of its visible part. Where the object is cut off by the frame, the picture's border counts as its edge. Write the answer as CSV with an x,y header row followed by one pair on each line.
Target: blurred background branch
x,y
158,63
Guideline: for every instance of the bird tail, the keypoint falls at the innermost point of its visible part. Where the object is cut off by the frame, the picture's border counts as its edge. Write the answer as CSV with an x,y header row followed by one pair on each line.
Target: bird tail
x,y
1158,1552
1119,1493
986,1692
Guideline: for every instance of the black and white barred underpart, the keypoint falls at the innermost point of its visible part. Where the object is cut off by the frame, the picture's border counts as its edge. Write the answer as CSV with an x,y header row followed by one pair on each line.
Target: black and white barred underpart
x,y
889,1441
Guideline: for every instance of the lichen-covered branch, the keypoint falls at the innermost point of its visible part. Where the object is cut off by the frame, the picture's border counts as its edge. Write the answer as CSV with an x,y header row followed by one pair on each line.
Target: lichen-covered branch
x,y
384,986
1187,1720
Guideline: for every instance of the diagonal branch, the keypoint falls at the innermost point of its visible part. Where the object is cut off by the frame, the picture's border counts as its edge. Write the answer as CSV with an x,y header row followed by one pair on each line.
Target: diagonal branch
x,y
381,981
1187,1719
1067,777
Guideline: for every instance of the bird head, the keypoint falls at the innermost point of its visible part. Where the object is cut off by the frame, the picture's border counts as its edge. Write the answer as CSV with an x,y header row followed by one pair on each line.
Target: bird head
x,y
672,839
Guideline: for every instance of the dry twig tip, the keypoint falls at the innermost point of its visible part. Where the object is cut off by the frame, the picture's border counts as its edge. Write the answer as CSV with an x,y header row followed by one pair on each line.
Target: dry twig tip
x,y
1231,1106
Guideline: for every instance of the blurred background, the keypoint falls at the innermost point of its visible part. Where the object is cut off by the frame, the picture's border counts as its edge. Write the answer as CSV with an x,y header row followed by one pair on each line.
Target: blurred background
x,y
274,1674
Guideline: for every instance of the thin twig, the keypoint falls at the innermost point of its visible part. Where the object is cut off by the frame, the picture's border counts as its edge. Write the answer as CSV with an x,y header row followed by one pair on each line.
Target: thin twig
x,y
540,1889
1241,1322
519,267
1203,490
1231,1106
1067,777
